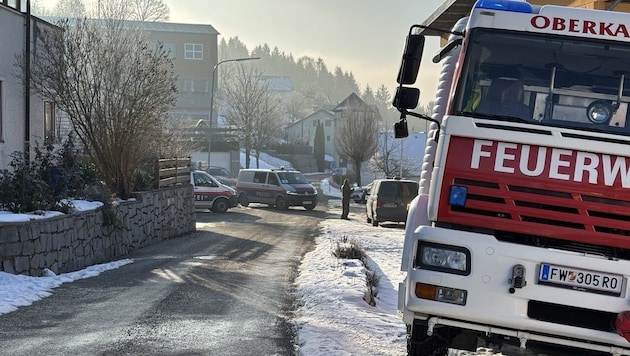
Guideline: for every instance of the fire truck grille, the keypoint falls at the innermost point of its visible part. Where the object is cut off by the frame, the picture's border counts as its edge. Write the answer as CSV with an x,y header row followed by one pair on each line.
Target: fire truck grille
x,y
513,210
571,316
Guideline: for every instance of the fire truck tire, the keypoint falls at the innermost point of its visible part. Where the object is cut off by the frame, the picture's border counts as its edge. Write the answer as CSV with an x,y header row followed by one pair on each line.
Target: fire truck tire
x,y
220,205
420,344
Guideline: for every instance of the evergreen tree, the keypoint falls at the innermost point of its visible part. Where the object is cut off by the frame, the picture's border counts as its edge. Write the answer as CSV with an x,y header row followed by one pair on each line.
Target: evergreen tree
x,y
318,147
368,95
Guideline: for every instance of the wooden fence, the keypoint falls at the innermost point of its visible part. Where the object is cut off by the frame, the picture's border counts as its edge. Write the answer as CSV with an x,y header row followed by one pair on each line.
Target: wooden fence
x,y
172,171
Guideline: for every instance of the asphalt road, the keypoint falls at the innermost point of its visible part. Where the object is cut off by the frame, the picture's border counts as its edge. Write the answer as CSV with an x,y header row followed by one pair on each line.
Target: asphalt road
x,y
223,290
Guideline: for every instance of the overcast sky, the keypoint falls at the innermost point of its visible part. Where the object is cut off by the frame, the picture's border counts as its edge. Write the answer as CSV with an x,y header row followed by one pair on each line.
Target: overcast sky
x,y
365,37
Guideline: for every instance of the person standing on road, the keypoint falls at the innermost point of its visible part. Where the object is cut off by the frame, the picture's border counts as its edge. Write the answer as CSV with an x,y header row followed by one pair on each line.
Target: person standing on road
x,y
345,198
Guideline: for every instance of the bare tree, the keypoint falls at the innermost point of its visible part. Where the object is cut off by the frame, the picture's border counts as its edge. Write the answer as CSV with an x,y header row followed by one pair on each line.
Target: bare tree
x,y
115,89
38,9
356,136
267,121
296,107
70,9
249,104
389,158
138,10
385,160
149,10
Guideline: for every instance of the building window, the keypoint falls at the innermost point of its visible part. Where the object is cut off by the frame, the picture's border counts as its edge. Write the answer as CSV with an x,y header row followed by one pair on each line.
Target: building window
x,y
200,85
186,85
189,85
49,122
328,138
193,51
170,49
327,123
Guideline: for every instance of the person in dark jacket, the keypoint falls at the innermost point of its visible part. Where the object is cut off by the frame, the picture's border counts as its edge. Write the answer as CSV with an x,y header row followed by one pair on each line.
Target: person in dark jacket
x,y
346,190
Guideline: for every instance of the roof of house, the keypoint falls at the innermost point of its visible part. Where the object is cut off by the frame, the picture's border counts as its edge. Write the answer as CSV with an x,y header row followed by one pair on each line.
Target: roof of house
x,y
353,100
158,26
324,112
177,27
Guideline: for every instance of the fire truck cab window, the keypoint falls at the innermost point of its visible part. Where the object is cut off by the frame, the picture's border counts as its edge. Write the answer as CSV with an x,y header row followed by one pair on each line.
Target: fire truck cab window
x,y
545,80
505,97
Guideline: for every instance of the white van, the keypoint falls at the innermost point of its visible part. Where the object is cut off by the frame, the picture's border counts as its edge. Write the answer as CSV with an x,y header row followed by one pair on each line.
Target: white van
x,y
211,194
280,187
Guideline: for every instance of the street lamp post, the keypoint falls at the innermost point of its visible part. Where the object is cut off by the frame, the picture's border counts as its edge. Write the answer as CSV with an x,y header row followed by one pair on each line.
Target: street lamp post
x,y
214,74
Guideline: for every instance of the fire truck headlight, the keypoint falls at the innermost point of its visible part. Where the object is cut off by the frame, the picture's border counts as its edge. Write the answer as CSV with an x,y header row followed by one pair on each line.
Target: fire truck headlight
x,y
599,112
457,195
443,258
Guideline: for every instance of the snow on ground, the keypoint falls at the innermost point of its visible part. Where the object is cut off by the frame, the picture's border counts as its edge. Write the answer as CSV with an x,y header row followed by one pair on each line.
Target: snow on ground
x,y
332,318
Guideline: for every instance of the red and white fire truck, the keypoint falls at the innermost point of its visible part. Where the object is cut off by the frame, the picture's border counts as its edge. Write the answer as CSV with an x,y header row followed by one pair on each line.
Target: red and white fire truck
x,y
521,229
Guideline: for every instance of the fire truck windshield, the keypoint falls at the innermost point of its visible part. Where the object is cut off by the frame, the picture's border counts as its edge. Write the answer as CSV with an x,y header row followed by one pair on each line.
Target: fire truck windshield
x,y
545,80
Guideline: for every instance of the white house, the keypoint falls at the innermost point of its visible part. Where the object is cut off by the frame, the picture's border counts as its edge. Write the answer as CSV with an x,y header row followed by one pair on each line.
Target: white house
x,y
25,119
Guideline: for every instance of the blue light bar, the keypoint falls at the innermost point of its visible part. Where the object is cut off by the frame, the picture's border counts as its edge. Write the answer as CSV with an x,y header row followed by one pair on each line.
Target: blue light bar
x,y
458,195
505,5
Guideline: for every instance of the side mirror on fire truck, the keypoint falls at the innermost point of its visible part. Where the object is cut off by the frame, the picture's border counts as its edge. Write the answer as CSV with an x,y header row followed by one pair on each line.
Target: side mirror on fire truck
x,y
406,98
411,59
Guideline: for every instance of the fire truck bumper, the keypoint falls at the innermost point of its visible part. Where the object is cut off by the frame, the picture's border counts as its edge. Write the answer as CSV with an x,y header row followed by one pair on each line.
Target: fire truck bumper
x,y
475,282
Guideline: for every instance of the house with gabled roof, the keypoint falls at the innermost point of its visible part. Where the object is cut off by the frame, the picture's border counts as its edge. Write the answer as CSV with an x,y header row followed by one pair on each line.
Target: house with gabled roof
x,y
303,131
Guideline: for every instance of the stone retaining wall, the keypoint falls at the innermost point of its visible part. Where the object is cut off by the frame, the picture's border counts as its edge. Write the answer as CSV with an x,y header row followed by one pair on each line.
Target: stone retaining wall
x,y
71,242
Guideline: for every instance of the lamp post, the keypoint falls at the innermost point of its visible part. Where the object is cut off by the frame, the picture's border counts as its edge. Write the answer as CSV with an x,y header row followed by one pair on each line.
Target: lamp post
x,y
214,74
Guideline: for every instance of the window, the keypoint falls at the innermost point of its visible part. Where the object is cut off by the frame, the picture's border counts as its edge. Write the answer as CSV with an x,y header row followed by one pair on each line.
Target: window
x,y
170,49
273,179
327,123
260,177
200,85
328,138
187,85
49,122
193,51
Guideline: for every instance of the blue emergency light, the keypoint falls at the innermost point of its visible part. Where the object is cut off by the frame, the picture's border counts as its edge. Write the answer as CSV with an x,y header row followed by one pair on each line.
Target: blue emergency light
x,y
505,5
458,195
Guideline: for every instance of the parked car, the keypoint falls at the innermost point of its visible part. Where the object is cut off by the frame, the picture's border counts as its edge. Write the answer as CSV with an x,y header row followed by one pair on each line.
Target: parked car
x,y
222,175
281,187
359,194
212,194
388,200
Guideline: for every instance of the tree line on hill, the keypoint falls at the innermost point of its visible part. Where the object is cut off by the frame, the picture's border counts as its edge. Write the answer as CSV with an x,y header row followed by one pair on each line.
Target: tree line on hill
x,y
315,85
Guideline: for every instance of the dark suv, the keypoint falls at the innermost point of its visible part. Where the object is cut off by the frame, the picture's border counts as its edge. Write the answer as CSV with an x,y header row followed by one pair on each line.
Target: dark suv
x,y
388,200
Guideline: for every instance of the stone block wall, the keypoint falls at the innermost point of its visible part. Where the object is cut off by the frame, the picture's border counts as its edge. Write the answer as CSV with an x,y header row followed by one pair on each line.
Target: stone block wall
x,y
71,242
